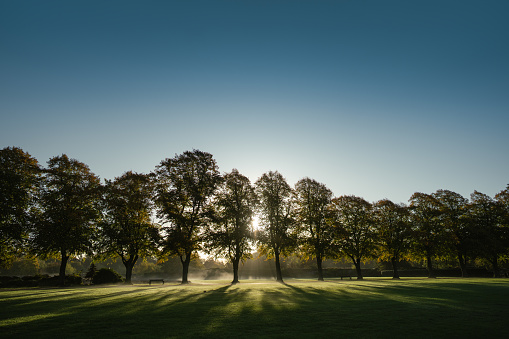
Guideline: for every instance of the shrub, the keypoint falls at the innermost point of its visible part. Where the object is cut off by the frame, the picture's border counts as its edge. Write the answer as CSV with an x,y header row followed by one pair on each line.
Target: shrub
x,y
106,276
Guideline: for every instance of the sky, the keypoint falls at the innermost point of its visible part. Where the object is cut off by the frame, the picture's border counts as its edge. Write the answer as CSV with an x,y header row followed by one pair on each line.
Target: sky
x,y
378,99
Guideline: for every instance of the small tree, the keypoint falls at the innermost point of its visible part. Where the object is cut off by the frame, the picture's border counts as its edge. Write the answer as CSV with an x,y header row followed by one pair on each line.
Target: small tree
x,y
354,230
185,187
92,270
312,200
126,229
231,234
277,236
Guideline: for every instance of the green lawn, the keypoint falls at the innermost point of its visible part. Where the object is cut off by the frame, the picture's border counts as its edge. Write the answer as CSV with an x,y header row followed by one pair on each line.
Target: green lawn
x,y
373,308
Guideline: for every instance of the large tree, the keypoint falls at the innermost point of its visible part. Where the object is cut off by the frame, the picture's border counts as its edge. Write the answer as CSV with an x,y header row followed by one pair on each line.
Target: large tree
x,y
429,231
277,236
126,228
354,230
316,235
453,215
488,216
231,233
185,187
19,175
394,232
69,199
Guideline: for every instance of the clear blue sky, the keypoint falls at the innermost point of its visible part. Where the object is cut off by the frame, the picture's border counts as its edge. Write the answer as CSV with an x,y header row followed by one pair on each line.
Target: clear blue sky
x,y
374,98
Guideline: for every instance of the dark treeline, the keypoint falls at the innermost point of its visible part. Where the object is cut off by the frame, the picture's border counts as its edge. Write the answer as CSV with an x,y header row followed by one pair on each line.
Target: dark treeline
x,y
186,206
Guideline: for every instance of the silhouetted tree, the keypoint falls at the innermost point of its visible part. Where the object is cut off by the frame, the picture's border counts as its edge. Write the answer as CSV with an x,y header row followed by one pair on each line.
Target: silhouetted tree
x,y
127,229
316,236
354,230
19,176
394,232
429,233
185,187
489,216
231,232
276,237
69,199
453,215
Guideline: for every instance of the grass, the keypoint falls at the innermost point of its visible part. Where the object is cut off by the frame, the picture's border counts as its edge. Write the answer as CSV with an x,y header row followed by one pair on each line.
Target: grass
x,y
373,308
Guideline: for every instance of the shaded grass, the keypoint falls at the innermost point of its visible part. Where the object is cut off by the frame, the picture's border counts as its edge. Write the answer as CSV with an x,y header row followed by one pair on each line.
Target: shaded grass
x,y
377,308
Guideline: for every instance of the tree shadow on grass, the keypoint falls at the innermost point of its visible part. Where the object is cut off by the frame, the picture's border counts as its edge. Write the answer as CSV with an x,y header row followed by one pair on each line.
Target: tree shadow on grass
x,y
271,310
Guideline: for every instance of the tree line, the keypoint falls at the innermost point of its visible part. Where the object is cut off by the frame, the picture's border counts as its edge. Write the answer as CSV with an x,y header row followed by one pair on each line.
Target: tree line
x,y
63,210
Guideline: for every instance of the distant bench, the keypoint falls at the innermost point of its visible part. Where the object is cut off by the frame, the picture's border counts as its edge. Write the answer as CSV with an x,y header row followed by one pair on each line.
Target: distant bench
x,y
151,280
346,276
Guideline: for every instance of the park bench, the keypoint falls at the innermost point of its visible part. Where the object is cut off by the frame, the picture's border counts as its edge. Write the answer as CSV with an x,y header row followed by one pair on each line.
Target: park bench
x,y
151,280
346,276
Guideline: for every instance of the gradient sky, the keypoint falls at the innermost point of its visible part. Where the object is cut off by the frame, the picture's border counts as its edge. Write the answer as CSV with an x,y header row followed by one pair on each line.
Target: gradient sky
x,y
378,99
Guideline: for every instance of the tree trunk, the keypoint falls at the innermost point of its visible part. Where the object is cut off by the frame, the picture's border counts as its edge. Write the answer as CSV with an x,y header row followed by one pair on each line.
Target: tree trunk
x,y
63,265
357,263
463,265
235,271
395,273
494,264
279,275
129,265
429,263
185,267
319,265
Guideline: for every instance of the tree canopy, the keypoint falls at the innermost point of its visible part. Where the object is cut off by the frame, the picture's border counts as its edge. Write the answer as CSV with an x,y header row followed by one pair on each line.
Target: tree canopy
x,y
126,228
316,235
19,178
69,198
231,234
276,237
185,185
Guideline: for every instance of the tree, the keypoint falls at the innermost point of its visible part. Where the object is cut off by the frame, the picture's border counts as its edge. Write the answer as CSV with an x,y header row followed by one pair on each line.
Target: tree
x,y
488,216
69,199
19,176
184,190
354,231
394,231
126,229
276,217
312,200
428,229
231,233
453,215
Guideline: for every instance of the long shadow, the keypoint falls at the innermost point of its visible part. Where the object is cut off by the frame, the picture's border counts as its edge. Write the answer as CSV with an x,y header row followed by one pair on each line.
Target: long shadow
x,y
270,310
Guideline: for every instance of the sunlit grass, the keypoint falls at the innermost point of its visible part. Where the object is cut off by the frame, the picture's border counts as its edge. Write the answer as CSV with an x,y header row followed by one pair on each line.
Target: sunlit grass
x,y
259,308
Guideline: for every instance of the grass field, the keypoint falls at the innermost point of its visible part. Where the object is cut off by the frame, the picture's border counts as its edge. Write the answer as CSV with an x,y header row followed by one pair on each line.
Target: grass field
x,y
373,308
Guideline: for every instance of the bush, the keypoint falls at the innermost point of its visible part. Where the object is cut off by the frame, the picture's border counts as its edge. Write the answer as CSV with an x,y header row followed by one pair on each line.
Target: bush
x,y
106,276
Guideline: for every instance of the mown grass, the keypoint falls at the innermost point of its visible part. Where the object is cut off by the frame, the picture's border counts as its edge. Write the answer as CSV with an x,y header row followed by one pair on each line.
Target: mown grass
x,y
375,308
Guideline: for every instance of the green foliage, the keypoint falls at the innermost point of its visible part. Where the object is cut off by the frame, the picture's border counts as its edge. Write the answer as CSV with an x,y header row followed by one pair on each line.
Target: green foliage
x,y
312,200
19,176
394,232
276,209
106,276
184,192
126,229
231,232
69,198
355,235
